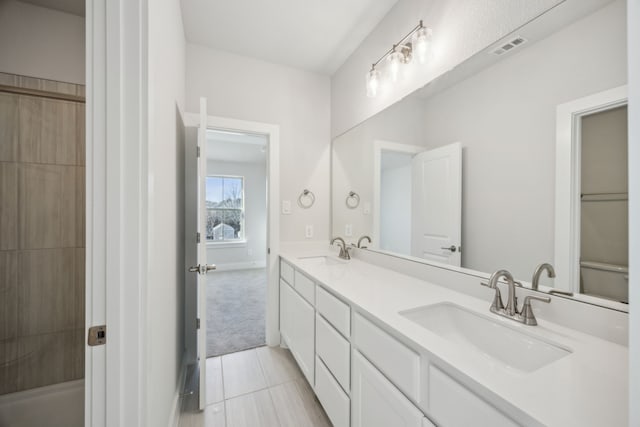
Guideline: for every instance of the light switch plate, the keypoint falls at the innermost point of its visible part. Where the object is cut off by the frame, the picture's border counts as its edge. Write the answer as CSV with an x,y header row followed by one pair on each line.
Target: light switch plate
x,y
286,207
366,208
348,230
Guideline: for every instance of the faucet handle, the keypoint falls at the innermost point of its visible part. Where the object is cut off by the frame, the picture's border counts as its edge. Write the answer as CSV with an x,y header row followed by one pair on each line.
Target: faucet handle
x,y
528,318
497,304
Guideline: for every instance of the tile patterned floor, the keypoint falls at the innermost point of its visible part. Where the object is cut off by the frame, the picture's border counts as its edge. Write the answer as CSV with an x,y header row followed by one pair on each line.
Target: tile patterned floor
x,y
254,388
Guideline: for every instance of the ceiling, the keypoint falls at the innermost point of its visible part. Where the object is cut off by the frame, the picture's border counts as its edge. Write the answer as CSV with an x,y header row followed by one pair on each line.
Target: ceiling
x,y
236,147
308,34
75,7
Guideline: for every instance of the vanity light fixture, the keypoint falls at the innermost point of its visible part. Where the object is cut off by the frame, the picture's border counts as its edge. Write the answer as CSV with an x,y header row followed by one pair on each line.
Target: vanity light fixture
x,y
401,53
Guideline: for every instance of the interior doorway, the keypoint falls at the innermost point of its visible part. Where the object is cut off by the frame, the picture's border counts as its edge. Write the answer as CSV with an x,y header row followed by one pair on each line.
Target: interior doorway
x,y
236,238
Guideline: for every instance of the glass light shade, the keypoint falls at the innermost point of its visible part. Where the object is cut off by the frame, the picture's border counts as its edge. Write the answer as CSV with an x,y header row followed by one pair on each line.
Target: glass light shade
x,y
395,60
420,41
373,83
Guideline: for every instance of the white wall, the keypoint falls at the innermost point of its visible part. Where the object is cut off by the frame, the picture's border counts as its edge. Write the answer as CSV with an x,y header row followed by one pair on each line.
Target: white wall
x,y
298,101
165,332
40,42
460,29
633,18
395,208
254,252
505,118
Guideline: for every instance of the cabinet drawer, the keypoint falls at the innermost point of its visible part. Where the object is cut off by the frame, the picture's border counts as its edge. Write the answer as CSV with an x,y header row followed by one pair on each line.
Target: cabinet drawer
x,y
334,351
334,401
286,272
447,396
334,310
305,286
398,362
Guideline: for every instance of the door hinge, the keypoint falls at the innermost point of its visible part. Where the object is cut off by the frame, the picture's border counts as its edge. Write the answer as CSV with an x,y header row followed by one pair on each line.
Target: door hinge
x,y
97,335
268,251
198,323
197,237
198,151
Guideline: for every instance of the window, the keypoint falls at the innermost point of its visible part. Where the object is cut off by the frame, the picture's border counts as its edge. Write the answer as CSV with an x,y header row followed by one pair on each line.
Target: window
x,y
225,208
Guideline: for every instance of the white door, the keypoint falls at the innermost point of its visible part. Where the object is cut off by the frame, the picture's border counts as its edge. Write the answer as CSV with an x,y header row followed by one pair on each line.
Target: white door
x,y
436,199
202,266
196,250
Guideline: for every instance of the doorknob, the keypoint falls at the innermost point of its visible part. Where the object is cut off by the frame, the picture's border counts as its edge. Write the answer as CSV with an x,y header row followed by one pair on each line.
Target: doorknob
x,y
202,269
451,248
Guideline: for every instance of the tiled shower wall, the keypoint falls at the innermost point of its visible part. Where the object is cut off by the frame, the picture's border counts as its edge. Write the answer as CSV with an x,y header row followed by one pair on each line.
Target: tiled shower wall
x,y
42,235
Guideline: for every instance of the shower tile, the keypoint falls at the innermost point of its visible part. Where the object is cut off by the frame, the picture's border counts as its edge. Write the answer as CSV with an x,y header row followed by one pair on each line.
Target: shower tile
x,y
8,294
47,131
80,134
8,206
9,125
79,288
47,206
80,233
49,358
8,365
8,79
46,295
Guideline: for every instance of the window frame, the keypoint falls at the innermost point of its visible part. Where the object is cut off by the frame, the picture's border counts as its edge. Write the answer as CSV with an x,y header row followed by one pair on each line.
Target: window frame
x,y
241,241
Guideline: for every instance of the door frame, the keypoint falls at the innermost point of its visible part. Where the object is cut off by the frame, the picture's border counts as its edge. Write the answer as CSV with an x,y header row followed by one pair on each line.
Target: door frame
x,y
272,318
116,383
378,147
567,197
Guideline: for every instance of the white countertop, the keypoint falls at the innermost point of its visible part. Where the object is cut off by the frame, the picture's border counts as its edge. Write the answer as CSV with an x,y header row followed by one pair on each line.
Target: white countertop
x,y
589,387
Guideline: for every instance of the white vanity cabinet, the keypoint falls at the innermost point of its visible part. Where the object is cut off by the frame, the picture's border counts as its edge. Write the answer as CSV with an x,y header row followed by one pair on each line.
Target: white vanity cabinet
x,y
297,327
365,376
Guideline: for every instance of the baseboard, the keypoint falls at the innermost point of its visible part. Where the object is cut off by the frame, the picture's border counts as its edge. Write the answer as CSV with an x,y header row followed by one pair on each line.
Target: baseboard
x,y
174,419
241,265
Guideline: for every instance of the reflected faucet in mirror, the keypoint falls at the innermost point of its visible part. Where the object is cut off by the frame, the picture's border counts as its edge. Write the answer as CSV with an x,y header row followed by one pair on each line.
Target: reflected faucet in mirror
x,y
360,246
344,250
551,273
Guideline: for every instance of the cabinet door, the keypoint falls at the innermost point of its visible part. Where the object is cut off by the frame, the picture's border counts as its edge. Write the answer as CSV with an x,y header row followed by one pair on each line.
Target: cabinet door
x,y
298,329
375,402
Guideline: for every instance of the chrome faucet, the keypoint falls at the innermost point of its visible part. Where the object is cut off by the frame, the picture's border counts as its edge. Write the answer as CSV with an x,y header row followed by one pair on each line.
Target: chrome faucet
x,y
525,316
344,250
551,273
361,239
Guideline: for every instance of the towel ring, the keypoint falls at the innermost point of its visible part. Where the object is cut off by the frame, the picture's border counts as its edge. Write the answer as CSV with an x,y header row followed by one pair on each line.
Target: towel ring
x,y
306,199
353,200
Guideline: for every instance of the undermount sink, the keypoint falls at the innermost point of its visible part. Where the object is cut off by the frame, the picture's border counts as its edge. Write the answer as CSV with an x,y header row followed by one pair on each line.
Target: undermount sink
x,y
485,337
322,260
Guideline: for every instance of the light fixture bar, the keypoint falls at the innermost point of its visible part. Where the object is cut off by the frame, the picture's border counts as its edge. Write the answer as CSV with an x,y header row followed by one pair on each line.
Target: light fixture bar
x,y
400,54
400,43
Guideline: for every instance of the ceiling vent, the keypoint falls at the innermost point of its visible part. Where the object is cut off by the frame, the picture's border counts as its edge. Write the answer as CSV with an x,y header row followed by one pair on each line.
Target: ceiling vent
x,y
509,46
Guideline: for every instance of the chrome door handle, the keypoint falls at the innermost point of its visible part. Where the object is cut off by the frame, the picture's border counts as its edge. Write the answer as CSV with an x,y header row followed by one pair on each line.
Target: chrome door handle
x,y
451,248
202,269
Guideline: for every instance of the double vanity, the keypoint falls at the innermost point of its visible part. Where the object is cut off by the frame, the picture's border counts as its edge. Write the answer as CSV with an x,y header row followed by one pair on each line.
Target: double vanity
x,y
381,348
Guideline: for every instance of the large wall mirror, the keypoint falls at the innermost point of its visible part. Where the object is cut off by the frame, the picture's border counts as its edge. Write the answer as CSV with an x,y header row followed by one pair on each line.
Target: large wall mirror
x,y
507,161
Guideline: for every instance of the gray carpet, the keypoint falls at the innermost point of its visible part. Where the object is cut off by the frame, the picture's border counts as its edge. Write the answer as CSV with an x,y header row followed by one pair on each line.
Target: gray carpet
x,y
236,302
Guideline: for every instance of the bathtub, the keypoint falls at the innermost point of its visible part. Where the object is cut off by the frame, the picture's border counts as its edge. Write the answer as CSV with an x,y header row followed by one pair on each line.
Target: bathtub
x,y
58,405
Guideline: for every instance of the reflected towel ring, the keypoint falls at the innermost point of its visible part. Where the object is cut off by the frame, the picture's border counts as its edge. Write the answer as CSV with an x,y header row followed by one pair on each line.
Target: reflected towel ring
x,y
353,200
306,199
